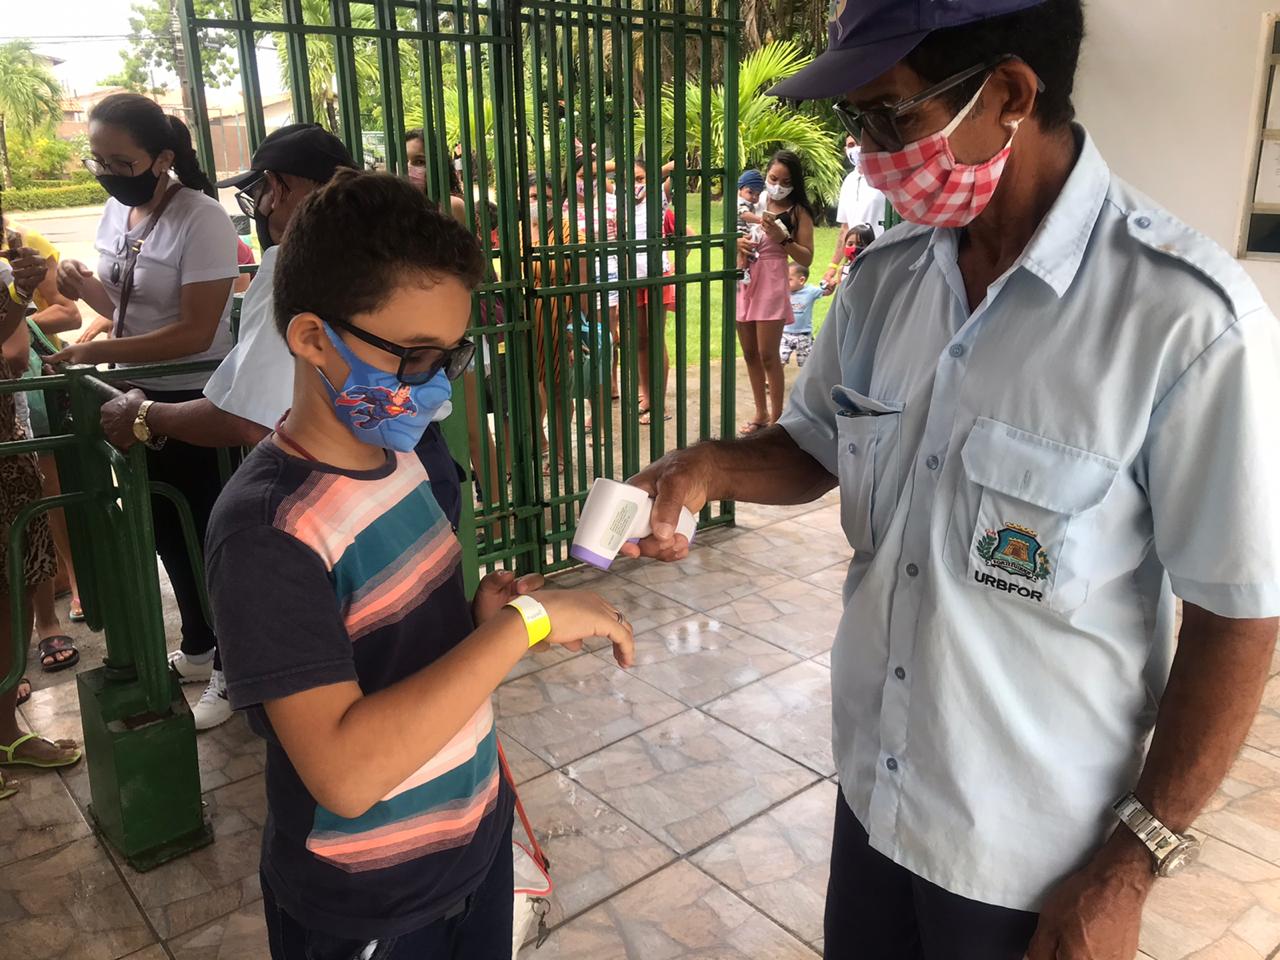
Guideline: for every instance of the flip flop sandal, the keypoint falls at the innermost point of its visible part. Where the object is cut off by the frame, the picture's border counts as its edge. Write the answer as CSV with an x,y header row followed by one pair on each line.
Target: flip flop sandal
x,y
753,426
51,647
24,697
76,613
6,791
9,760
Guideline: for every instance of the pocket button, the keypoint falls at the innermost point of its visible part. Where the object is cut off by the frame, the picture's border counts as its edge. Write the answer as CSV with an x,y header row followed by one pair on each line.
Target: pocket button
x,y
956,351
853,448
932,462
900,673
912,570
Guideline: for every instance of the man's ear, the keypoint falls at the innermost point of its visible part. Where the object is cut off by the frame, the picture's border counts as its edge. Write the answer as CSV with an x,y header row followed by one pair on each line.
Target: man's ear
x,y
1019,89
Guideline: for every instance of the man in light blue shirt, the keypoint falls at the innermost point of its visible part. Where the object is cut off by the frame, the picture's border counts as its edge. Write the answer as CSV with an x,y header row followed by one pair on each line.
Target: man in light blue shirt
x,y
1049,408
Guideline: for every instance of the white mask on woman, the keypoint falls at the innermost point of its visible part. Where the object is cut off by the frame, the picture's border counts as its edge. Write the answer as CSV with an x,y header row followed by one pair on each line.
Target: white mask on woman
x,y
777,191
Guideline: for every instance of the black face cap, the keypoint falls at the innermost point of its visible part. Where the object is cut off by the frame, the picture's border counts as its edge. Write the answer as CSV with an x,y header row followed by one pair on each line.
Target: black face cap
x,y
302,149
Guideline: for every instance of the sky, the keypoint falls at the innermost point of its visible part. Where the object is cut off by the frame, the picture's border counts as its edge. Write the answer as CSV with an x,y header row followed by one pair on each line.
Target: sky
x,y
87,34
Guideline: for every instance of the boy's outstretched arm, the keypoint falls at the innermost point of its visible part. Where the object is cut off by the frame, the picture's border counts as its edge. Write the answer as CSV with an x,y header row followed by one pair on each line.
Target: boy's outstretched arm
x,y
351,750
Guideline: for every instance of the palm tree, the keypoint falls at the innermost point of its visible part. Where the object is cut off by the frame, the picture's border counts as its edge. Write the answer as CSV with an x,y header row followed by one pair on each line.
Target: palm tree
x,y
29,96
764,123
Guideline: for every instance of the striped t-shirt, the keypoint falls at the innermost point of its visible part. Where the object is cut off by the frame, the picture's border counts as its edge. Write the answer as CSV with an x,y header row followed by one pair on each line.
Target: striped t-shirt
x,y
320,576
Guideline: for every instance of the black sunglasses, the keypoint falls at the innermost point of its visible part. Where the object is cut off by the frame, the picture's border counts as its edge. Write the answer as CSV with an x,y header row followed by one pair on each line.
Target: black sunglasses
x,y
881,122
417,364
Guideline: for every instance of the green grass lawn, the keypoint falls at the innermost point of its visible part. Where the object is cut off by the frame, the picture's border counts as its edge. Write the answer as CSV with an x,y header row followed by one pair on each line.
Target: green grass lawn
x,y
824,243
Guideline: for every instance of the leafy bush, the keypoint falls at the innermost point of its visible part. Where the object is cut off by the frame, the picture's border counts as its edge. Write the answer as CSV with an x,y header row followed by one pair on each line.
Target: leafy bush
x,y
82,176
53,198
41,157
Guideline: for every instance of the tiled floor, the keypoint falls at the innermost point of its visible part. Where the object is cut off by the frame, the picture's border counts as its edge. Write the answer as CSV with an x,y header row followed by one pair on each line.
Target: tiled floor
x,y
685,804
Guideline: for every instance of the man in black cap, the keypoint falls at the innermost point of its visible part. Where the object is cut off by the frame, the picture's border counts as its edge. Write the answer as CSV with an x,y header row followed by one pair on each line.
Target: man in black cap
x,y
1049,409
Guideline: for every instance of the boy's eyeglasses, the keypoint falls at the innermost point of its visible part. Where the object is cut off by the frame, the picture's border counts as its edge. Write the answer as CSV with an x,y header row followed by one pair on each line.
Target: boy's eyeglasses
x,y
881,123
417,364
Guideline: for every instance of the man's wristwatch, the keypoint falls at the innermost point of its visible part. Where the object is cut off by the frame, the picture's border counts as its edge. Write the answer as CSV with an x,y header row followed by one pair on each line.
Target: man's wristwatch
x,y
141,429
534,615
1171,852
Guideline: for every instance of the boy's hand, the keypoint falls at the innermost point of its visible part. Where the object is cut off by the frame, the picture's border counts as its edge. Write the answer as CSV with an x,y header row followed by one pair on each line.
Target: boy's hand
x,y
578,614
498,589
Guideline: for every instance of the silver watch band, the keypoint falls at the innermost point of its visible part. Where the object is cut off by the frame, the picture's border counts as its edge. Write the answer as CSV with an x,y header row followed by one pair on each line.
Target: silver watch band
x,y
1155,836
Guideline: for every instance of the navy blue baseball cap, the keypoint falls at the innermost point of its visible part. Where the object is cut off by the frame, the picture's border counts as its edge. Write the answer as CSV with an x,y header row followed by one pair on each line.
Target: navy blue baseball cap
x,y
867,37
751,178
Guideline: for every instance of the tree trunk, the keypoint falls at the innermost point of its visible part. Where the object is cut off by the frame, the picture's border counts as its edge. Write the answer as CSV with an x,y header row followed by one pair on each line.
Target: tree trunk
x,y
4,155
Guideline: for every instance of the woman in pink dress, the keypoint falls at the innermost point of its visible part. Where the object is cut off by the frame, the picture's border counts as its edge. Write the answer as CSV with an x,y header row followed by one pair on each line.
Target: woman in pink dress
x,y
764,304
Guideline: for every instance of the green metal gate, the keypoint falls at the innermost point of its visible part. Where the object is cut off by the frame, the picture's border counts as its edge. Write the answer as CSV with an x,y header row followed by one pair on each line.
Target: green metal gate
x,y
518,92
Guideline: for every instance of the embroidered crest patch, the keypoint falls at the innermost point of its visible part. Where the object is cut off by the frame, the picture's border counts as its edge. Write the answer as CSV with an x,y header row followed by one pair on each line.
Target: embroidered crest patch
x,y
1015,549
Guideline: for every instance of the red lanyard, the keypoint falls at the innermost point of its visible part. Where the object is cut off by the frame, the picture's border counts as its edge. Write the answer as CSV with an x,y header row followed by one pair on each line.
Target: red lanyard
x,y
280,432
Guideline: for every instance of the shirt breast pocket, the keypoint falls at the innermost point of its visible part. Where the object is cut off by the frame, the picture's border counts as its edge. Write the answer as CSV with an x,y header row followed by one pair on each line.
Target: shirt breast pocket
x,y
868,432
1022,523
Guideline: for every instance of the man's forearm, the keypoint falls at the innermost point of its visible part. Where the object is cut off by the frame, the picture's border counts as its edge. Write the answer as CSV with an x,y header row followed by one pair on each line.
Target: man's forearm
x,y
1210,702
765,468
201,423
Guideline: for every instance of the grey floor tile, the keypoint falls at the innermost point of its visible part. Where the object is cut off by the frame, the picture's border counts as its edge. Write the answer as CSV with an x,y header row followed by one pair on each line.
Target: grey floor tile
x,y
575,708
678,914
690,779
790,711
699,658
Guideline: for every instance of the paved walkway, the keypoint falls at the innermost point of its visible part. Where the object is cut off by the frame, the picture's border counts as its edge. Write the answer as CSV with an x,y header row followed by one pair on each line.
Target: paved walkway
x,y
686,804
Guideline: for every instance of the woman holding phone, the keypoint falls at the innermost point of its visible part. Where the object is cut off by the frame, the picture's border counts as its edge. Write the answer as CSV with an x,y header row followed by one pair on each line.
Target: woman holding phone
x,y
764,304
166,266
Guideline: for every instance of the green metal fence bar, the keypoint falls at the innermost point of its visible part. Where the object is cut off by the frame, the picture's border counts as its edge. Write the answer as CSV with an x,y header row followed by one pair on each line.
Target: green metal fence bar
x,y
299,61
19,625
252,91
344,61
680,203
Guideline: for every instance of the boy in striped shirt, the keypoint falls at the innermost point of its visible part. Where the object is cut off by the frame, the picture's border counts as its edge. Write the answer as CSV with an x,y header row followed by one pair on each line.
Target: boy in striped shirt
x,y
337,590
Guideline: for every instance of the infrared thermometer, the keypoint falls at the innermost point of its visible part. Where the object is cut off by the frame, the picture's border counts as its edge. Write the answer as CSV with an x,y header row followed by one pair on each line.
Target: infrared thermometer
x,y
614,514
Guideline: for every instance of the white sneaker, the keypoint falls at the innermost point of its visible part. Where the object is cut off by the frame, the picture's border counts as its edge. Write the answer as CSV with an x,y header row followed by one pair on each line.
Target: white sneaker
x,y
187,671
214,708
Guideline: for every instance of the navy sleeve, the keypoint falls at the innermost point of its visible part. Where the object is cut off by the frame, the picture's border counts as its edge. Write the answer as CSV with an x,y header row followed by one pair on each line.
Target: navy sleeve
x,y
276,616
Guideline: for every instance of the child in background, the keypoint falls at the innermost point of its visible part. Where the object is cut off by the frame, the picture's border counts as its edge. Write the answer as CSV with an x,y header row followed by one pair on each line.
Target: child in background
x,y
750,186
856,240
797,336
336,584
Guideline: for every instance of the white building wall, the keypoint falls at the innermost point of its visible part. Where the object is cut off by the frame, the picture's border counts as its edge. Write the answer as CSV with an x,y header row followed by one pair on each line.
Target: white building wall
x,y
1169,89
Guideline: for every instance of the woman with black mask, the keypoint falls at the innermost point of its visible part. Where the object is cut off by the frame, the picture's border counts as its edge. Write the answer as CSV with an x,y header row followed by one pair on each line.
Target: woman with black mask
x,y
166,265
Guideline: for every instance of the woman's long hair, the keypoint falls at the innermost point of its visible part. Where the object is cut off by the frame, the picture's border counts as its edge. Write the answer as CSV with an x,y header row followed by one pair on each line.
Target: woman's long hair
x,y
154,131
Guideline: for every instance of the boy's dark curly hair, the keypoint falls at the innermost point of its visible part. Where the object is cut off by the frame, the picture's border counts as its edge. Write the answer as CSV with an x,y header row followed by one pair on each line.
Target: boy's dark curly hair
x,y
355,239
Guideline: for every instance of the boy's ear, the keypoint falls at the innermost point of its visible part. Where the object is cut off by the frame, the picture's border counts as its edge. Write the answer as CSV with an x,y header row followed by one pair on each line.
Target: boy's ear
x,y
307,338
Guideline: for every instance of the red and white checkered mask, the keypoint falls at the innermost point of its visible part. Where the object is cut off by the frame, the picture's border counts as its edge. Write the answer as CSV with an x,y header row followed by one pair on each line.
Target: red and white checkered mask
x,y
927,185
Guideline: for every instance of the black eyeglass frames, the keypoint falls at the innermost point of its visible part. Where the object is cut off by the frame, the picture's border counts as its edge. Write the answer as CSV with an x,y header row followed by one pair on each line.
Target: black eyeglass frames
x,y
880,122
417,364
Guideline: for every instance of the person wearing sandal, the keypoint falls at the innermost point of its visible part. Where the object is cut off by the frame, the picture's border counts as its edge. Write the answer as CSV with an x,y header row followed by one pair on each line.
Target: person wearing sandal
x,y
764,304
20,484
